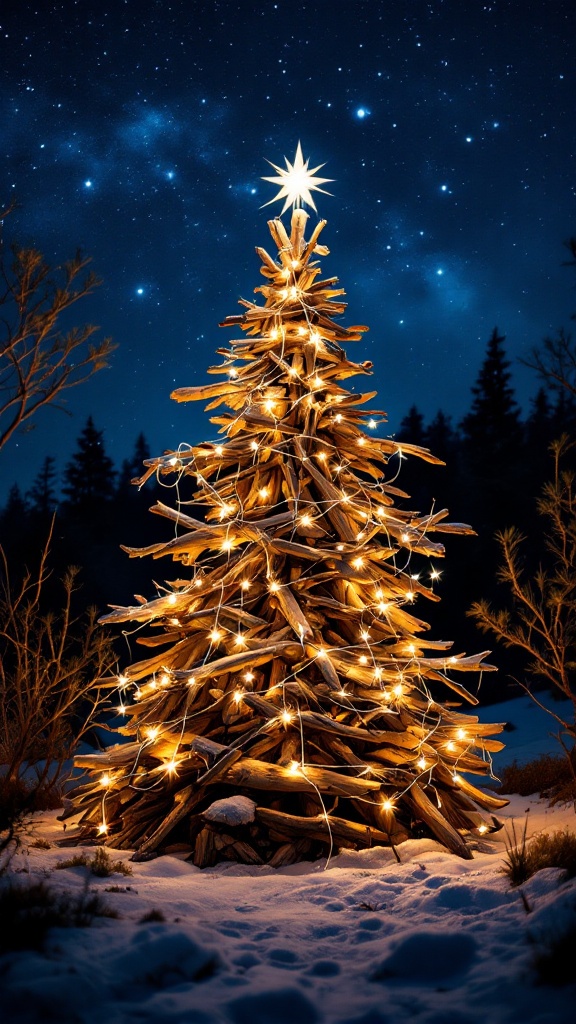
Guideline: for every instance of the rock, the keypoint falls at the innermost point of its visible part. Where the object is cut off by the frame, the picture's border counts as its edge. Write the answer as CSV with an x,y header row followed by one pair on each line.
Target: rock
x,y
232,810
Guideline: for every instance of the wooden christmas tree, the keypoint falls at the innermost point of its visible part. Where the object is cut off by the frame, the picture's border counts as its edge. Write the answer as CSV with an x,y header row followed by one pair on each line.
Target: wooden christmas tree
x,y
288,668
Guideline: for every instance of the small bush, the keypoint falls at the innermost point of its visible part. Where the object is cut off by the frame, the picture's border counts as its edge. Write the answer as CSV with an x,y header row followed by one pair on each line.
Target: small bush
x,y
28,911
101,864
153,916
524,859
516,862
547,775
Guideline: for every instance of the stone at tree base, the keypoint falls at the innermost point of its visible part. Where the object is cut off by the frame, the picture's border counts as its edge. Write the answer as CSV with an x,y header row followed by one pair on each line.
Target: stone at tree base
x,y
232,810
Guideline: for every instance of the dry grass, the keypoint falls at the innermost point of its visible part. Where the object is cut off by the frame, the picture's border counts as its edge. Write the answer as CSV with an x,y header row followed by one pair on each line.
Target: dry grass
x,y
101,864
29,910
547,775
525,857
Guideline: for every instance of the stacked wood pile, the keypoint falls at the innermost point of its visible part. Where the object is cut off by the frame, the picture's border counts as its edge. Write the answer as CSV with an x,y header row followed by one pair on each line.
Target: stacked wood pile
x,y
286,662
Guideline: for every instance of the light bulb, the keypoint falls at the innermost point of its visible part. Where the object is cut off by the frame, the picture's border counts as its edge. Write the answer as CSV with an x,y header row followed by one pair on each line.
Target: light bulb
x,y
305,520
219,450
164,679
263,492
294,767
249,677
246,584
152,732
387,805
171,767
286,717
105,780
103,828
172,598
372,424
274,587
215,635
238,696
122,680
239,640
227,544
254,446
421,764
358,562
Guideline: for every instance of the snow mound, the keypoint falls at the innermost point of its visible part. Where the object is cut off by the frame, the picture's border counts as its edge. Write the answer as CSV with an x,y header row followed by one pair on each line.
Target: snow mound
x,y
280,1005
232,810
427,956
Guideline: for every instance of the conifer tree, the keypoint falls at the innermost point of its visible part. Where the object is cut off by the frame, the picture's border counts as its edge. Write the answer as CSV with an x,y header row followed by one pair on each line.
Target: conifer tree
x,y
492,428
89,476
132,468
412,426
42,495
288,668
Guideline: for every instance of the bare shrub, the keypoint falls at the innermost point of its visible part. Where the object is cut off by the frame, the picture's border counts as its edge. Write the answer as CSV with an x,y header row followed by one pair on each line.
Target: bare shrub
x,y
542,619
50,664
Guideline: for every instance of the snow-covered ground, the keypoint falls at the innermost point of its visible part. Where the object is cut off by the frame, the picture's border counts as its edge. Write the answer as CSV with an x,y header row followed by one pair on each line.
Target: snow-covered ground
x,y
362,940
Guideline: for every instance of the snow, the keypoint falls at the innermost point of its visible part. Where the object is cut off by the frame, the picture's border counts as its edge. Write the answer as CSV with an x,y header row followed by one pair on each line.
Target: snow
x,y
358,940
232,810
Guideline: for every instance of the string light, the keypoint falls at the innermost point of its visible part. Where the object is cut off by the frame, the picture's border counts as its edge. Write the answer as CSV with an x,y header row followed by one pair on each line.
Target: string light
x,y
215,635
105,780
286,717
249,677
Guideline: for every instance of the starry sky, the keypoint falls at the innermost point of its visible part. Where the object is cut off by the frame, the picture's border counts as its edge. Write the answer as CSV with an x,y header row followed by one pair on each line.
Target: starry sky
x,y
139,130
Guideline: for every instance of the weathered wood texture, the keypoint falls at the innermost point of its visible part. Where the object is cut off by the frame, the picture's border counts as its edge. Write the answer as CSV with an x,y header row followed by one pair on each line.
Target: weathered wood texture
x,y
285,658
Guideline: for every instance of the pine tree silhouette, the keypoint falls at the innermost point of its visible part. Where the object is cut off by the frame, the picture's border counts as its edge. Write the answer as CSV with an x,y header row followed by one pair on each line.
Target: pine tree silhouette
x,y
492,428
89,476
42,495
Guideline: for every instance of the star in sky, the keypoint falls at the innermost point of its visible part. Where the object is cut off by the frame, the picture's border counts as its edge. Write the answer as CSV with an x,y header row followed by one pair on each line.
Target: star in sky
x,y
297,182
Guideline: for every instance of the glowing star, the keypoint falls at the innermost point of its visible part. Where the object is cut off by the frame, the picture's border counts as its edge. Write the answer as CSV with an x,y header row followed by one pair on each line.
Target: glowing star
x,y
297,182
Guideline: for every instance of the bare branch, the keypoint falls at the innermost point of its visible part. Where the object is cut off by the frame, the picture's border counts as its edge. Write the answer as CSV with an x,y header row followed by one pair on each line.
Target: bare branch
x,y
39,361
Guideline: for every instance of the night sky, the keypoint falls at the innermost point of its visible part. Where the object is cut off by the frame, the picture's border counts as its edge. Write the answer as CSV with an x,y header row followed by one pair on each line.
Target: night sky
x,y
139,130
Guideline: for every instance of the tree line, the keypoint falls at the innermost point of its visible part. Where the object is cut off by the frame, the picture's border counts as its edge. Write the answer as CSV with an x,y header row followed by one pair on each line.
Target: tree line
x,y
495,463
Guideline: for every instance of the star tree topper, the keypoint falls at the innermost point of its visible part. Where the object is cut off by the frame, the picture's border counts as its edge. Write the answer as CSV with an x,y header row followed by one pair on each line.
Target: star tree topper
x,y
297,182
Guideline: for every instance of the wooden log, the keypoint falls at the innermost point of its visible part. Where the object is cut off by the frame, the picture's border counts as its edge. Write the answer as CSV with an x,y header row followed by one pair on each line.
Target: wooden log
x,y
184,800
320,828
437,823
262,775
205,853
